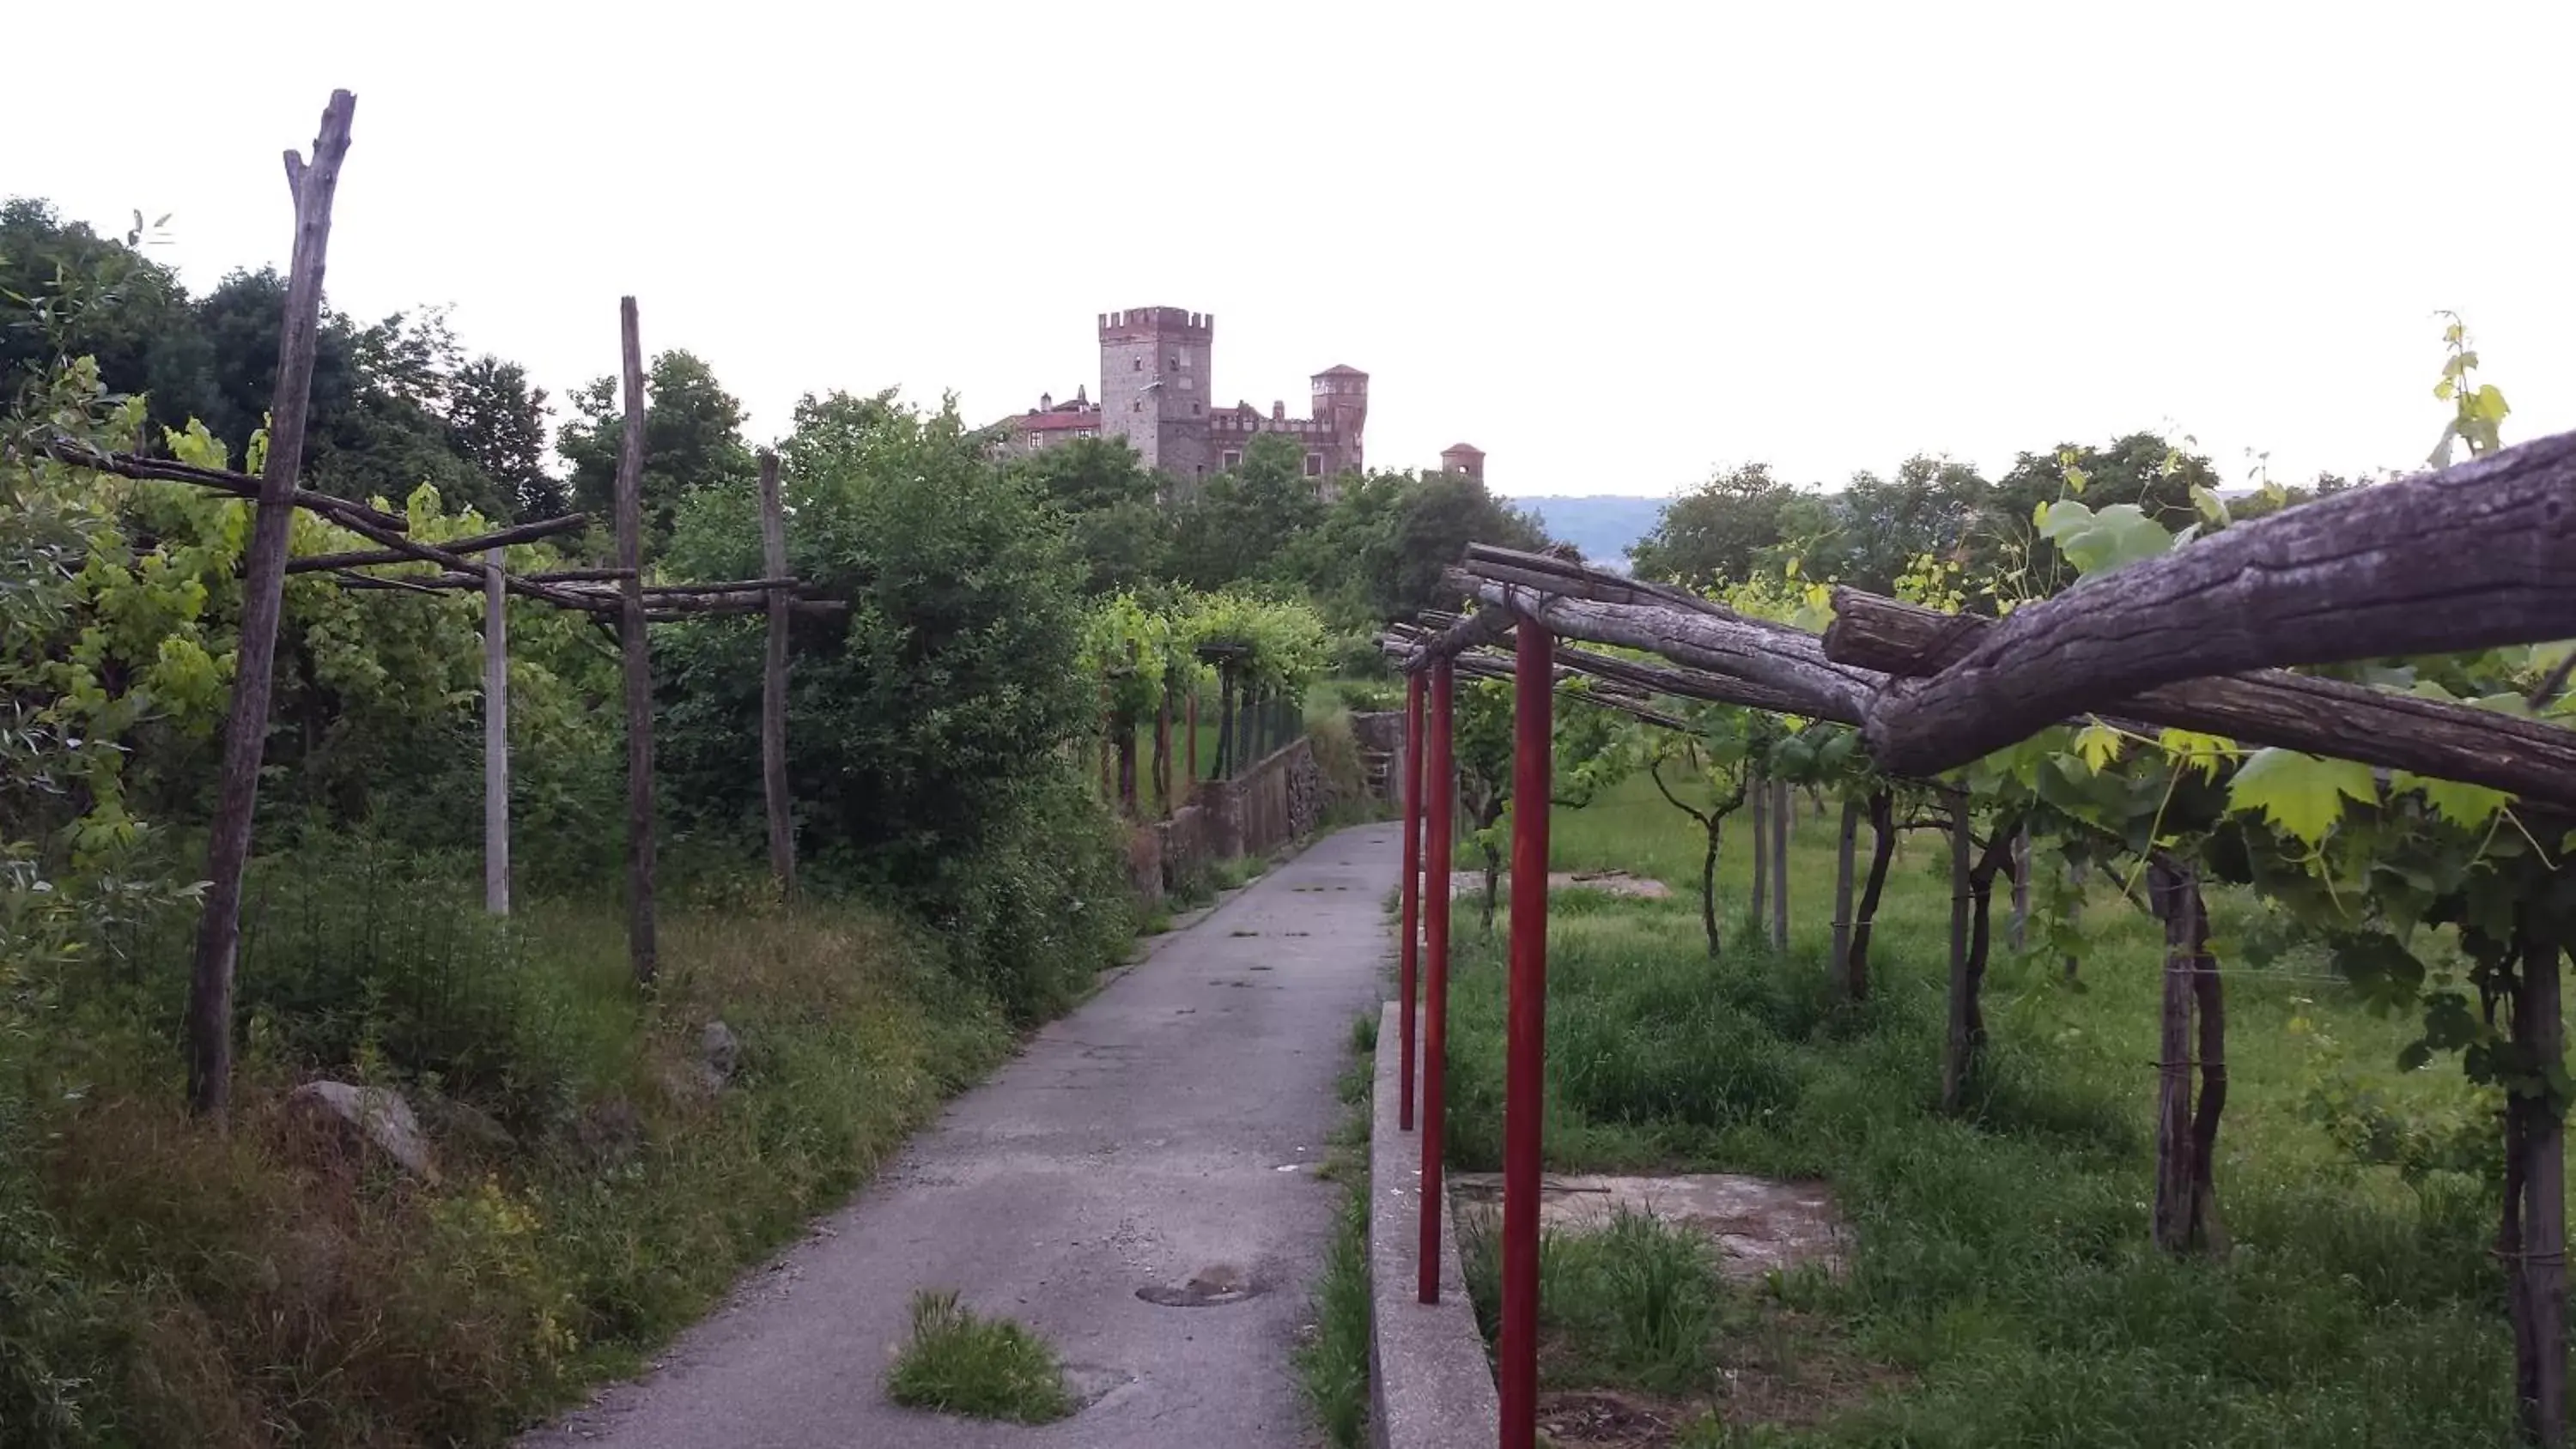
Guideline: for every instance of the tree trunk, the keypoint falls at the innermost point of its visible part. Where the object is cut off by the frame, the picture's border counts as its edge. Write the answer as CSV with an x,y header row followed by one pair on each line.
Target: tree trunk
x,y
1486,820
1957,1046
1126,743
2538,1265
1882,850
1780,814
496,737
1708,885
1981,894
1844,842
1225,724
1757,793
2169,890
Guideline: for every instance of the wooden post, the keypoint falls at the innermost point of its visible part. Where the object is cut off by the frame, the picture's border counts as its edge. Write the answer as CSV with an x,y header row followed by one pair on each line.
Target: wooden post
x,y
2021,887
1163,751
496,737
2538,1282
1123,726
1844,842
2075,872
2168,890
634,651
2208,1229
1954,1058
1410,896
1525,1068
210,985
1191,742
1757,793
1781,811
773,684
1225,743
1439,800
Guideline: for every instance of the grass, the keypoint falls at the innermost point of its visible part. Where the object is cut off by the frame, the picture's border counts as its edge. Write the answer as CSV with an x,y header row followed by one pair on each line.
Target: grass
x,y
985,1368
264,1287
1333,1365
2002,1290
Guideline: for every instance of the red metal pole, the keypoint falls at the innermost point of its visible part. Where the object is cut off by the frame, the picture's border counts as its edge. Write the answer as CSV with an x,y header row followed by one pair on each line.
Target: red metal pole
x,y
1411,785
1524,1070
1439,783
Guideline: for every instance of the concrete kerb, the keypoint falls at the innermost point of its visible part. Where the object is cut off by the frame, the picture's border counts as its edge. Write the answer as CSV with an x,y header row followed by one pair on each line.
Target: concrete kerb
x,y
1430,1386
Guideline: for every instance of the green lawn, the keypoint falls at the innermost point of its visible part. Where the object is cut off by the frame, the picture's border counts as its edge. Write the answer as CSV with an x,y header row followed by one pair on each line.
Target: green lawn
x,y
2003,1290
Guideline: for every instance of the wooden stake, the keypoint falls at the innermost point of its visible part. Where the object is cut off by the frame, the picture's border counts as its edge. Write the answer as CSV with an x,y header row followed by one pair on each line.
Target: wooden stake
x,y
635,651
210,986
1844,842
2539,1271
1781,811
1954,1058
496,737
2021,887
2169,891
1758,793
1191,744
773,684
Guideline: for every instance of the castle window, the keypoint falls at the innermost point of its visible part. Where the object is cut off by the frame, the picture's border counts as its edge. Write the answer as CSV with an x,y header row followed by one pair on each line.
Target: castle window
x,y
1139,367
1183,362
1175,364
1314,465
1185,384
1137,406
1194,410
1231,461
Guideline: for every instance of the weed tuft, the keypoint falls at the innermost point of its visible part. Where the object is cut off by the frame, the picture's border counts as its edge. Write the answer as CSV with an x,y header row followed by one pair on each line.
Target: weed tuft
x,y
985,1368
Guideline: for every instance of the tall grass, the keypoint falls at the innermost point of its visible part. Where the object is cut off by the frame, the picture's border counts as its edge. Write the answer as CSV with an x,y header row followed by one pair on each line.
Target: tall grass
x,y
2002,1277
274,1286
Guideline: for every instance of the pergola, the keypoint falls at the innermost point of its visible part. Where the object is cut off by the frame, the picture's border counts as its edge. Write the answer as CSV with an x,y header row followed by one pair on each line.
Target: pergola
x,y
2478,556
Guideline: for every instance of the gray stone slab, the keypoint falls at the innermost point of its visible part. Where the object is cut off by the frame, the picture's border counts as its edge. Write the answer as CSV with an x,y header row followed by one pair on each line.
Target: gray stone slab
x,y
1430,1384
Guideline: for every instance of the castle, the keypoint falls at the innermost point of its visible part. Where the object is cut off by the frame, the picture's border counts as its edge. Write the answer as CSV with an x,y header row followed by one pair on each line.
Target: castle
x,y
1158,391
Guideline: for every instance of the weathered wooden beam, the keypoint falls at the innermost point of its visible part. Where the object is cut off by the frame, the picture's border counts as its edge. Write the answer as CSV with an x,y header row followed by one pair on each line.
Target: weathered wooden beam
x,y
240,485
635,655
1789,661
210,983
1511,565
2474,557
2528,757
1469,631
362,558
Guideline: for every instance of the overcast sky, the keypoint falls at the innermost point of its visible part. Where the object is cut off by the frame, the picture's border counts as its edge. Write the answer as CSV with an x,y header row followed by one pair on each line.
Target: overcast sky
x,y
1616,246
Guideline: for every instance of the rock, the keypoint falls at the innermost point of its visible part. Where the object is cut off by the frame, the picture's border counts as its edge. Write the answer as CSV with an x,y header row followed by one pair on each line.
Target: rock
x,y
719,1052
375,1115
609,1133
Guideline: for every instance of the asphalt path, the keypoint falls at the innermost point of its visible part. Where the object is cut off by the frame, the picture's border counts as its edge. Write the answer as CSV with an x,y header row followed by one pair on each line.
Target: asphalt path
x,y
1138,1185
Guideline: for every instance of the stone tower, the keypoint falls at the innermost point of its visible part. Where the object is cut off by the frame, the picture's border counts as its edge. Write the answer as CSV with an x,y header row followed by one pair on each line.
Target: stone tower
x,y
1341,405
1154,364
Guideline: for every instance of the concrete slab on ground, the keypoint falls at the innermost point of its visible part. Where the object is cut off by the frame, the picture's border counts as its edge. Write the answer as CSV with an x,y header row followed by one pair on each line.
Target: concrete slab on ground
x,y
1759,1226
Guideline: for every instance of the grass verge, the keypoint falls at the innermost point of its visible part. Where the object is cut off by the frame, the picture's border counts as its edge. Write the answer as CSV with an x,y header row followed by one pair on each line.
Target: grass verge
x,y
1333,1364
2001,1289
985,1368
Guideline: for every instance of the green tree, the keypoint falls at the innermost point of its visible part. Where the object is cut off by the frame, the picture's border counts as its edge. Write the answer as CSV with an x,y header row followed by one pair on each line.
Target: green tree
x,y
1239,525
1119,531
498,423
1718,532
692,440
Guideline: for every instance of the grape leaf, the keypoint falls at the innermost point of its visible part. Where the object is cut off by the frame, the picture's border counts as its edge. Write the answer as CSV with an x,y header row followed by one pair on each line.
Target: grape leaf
x,y
2302,794
2464,805
2099,744
2100,542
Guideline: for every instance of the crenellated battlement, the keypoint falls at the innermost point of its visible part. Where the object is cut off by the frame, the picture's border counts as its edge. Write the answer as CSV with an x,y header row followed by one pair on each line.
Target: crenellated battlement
x,y
1140,324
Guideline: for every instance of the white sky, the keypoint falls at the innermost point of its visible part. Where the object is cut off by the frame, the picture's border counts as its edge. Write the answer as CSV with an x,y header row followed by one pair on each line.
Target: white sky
x,y
1613,245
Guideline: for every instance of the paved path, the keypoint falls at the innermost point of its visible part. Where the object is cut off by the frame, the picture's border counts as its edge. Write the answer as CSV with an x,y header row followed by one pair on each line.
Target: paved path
x,y
1170,1126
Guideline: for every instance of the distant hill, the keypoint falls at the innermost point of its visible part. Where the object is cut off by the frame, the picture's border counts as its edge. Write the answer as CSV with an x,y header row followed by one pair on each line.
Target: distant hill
x,y
1600,524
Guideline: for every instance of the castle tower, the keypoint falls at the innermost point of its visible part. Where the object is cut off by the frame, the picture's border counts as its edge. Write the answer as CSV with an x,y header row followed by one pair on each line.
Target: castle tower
x,y
1341,405
1464,458
1154,385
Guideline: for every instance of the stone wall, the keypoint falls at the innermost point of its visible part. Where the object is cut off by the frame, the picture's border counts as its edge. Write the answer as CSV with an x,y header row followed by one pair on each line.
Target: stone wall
x,y
1276,802
1380,737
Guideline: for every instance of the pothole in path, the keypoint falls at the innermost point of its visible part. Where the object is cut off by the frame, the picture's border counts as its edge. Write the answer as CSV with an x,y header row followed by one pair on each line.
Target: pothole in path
x,y
1210,1287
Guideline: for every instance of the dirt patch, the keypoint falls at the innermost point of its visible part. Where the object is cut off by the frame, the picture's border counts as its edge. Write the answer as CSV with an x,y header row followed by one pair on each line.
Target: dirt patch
x,y
1779,1367
1616,882
1757,1225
